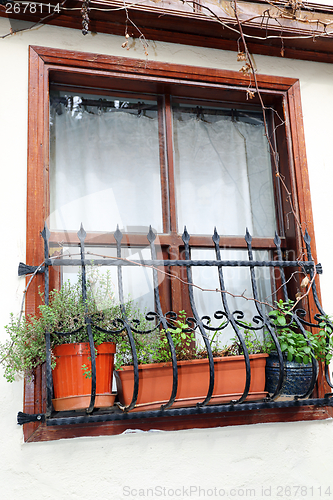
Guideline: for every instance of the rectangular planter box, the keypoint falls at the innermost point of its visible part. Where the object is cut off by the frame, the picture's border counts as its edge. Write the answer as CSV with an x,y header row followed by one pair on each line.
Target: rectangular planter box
x,y
155,382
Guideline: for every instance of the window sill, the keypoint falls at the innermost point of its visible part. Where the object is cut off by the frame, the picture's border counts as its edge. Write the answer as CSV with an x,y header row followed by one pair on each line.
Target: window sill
x,y
46,432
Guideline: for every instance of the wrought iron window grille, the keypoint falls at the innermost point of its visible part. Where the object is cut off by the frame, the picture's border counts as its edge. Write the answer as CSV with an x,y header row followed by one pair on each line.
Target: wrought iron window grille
x,y
200,324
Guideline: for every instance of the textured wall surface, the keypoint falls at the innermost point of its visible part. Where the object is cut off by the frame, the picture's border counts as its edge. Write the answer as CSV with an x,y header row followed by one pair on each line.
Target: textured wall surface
x,y
255,461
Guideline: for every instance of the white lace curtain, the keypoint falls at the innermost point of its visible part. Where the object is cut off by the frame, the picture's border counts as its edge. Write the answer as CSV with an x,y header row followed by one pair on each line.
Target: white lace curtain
x,y
104,171
223,175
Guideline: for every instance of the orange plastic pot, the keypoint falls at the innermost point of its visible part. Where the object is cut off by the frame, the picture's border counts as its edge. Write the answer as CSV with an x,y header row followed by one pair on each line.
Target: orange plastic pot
x,y
155,382
72,388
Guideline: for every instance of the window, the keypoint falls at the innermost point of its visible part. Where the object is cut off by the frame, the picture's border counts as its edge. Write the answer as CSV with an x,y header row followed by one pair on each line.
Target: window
x,y
173,117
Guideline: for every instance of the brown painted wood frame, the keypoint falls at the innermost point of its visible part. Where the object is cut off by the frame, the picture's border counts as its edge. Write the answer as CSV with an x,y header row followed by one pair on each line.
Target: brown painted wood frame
x,y
180,24
103,71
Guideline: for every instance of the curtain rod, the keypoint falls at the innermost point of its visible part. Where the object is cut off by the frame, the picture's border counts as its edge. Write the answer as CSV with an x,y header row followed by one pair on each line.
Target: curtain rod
x,y
142,106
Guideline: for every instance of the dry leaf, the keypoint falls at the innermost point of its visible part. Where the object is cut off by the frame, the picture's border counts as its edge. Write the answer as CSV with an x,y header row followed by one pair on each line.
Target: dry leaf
x,y
241,56
305,282
246,68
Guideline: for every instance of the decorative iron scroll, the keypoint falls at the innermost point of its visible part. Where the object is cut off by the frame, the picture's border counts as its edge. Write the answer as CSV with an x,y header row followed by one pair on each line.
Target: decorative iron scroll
x,y
202,325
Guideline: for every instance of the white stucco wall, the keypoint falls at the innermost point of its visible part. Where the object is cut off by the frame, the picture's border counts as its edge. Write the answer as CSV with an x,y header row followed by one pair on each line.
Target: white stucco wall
x,y
245,458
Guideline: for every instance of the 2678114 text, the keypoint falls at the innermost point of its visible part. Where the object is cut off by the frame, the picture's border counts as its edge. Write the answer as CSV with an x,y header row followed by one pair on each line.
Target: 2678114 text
x,y
32,8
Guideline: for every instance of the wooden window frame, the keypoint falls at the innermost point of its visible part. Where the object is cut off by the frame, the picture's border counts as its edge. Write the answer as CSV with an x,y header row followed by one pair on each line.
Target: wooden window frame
x,y
77,68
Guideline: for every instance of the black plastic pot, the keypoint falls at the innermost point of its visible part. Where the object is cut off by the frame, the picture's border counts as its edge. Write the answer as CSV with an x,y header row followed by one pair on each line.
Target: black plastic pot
x,y
297,376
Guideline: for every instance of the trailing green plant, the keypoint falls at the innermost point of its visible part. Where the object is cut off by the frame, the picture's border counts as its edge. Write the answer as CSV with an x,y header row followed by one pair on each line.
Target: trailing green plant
x,y
86,371
25,348
325,340
292,341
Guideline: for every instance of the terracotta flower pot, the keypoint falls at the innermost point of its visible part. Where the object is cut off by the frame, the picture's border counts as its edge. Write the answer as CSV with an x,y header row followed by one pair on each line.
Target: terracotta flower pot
x,y
72,388
155,382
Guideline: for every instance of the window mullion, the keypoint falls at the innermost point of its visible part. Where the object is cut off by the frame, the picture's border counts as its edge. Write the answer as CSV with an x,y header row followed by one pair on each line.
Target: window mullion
x,y
276,179
170,161
163,165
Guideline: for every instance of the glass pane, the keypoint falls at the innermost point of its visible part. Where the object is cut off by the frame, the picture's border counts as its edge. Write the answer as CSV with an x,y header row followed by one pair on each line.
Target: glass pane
x,y
138,285
104,163
237,281
223,171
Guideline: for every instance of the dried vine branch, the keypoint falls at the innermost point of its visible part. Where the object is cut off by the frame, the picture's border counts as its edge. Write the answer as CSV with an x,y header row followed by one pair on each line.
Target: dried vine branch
x,y
290,11
250,68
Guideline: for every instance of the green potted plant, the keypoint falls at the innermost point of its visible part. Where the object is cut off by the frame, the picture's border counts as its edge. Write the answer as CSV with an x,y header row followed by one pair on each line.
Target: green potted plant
x,y
25,348
296,350
155,369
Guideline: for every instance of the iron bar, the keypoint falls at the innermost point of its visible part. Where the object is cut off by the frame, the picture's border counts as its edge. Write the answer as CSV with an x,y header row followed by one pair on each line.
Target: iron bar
x,y
49,385
82,235
322,316
151,238
295,319
186,240
175,412
216,240
118,237
306,266
264,318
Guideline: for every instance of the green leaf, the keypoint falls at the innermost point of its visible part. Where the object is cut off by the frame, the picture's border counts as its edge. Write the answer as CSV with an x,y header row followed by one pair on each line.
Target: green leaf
x,y
281,320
